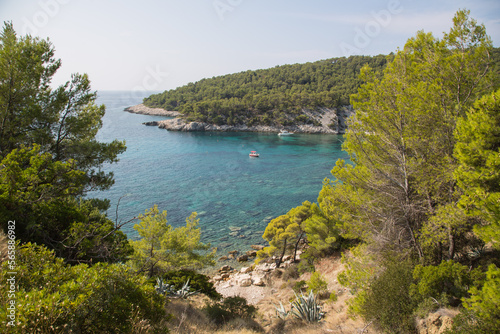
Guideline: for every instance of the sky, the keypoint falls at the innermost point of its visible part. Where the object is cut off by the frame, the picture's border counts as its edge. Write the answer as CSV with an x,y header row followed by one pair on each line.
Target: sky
x,y
156,45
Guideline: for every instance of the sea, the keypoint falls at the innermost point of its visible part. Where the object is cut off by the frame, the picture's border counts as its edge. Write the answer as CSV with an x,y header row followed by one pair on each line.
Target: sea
x,y
211,173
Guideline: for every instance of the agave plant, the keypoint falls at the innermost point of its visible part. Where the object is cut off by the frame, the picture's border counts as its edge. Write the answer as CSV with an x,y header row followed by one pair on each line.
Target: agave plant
x,y
163,288
169,290
307,308
281,312
185,291
477,252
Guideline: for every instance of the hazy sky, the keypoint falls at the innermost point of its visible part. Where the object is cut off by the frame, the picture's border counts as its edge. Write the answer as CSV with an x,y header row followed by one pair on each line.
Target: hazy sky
x,y
162,44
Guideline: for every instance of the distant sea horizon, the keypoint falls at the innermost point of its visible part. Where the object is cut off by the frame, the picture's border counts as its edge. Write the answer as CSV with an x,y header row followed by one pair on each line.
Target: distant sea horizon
x,y
210,173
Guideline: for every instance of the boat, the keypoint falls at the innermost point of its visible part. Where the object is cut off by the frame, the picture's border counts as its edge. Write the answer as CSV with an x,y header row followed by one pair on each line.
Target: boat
x,y
285,133
254,154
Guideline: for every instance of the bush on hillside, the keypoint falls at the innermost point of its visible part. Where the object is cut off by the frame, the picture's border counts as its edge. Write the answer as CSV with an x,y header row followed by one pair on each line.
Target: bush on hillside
x,y
228,309
197,282
387,303
55,297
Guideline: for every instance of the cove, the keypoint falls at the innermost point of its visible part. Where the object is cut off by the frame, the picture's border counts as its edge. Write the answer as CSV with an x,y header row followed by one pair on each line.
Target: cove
x,y
211,173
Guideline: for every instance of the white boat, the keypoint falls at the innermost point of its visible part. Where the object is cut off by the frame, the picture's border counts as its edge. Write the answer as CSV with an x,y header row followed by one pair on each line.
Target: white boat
x,y
285,133
254,154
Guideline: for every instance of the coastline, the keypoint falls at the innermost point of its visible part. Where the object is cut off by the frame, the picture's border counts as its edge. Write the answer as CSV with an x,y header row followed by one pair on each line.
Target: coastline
x,y
178,124
325,116
143,110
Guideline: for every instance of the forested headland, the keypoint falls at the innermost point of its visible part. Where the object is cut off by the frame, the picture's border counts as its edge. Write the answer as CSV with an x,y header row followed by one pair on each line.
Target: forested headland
x,y
277,96
271,97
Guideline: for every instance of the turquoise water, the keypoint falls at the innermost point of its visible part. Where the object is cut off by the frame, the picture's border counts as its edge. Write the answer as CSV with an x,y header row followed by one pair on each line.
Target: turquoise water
x,y
212,174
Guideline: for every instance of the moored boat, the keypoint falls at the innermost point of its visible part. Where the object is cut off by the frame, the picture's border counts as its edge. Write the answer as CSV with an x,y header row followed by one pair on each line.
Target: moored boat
x,y
285,133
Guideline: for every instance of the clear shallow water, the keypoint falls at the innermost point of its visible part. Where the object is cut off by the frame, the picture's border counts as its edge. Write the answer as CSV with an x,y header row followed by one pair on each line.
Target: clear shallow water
x,y
212,174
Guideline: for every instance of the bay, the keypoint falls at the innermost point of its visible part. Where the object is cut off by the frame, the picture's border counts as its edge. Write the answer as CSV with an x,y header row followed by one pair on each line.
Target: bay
x,y
211,173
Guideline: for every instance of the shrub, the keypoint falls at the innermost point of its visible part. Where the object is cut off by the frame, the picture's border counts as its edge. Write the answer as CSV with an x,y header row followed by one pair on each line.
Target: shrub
x,y
228,309
299,286
197,282
290,273
333,297
483,305
54,297
387,302
317,284
306,264
446,283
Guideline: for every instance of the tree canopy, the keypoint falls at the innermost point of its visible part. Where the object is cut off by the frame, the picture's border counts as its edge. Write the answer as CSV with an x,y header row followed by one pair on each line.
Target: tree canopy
x,y
162,248
50,157
274,96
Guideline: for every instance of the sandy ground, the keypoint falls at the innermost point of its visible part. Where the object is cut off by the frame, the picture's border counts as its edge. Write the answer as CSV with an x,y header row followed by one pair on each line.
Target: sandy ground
x,y
268,297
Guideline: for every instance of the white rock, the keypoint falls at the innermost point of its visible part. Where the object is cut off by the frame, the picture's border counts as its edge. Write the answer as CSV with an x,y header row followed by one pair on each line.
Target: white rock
x,y
245,282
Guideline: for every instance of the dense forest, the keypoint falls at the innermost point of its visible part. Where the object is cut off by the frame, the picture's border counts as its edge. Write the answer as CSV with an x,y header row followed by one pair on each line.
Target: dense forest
x,y
273,96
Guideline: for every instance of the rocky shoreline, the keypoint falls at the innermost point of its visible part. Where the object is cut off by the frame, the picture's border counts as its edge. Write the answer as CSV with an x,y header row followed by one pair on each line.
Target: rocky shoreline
x,y
325,116
143,110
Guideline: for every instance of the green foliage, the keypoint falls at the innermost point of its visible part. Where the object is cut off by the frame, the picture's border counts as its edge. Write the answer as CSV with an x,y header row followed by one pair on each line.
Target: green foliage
x,y
484,303
446,283
54,297
299,286
228,309
306,308
467,322
274,96
317,284
448,229
63,121
388,301
162,247
478,152
402,132
39,193
50,157
360,268
333,297
307,258
287,231
322,233
198,282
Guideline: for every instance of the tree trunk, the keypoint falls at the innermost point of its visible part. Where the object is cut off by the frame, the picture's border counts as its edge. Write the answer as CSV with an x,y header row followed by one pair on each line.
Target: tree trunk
x,y
278,264
297,246
451,247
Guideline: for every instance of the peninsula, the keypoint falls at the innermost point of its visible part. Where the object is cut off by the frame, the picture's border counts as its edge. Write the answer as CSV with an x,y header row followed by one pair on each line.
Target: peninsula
x,y
303,98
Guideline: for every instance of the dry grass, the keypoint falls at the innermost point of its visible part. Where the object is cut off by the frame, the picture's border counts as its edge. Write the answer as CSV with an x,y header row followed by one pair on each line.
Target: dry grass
x,y
3,246
336,319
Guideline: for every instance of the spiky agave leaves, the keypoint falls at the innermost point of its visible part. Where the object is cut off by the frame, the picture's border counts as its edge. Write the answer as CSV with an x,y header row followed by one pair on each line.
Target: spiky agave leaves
x,y
185,291
307,308
281,312
168,289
